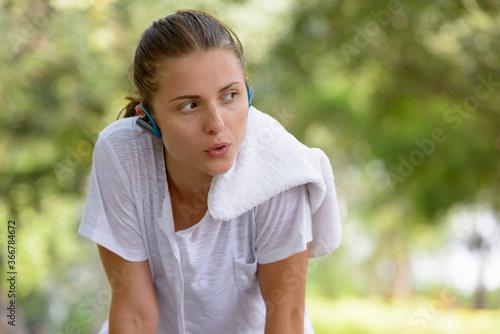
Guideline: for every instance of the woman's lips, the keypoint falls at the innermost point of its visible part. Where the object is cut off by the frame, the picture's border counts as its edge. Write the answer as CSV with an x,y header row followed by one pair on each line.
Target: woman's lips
x,y
218,150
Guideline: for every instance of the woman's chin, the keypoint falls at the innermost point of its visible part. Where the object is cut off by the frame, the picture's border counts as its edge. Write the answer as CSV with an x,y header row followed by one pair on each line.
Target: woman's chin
x,y
221,168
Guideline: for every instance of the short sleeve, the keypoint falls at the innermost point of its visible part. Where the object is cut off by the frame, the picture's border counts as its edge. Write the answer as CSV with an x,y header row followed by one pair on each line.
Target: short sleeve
x,y
110,218
283,225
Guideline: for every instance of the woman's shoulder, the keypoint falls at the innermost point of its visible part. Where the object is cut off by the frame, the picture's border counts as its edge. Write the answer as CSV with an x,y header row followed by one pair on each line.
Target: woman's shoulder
x,y
124,134
125,127
125,141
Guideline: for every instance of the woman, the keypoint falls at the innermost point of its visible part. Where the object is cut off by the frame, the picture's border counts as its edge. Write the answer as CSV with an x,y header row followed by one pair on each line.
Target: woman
x,y
205,224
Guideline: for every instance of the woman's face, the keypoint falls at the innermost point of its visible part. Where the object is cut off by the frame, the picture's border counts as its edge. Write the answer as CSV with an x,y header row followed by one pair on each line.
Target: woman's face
x,y
201,108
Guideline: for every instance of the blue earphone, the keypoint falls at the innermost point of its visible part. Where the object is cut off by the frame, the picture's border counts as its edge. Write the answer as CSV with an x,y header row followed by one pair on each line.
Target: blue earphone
x,y
250,94
150,126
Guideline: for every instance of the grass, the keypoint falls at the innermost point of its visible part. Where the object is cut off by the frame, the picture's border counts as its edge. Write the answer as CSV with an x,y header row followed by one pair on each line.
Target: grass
x,y
421,316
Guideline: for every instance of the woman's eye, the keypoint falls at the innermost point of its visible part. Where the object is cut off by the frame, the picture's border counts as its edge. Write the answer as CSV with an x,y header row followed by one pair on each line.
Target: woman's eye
x,y
188,107
230,96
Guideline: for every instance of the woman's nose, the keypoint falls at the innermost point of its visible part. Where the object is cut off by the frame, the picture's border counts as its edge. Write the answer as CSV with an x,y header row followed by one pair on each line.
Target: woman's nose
x,y
215,123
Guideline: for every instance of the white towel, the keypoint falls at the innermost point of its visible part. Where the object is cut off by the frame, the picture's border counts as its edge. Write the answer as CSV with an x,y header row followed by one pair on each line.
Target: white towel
x,y
270,161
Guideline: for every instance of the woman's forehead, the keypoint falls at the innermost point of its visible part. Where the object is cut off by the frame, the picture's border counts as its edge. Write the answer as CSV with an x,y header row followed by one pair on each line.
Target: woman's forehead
x,y
197,70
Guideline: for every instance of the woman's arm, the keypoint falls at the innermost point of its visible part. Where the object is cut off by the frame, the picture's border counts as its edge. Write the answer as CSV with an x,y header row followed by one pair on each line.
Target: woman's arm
x,y
134,308
283,287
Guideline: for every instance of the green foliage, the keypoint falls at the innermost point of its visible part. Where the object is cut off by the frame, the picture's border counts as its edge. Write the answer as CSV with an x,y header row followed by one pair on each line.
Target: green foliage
x,y
386,75
403,97
373,316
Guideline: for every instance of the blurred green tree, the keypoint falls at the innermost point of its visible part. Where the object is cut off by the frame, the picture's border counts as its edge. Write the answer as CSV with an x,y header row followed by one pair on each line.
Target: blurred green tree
x,y
405,92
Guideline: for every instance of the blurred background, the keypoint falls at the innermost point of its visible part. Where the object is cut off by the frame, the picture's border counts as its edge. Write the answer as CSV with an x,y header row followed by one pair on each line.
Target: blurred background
x,y
403,96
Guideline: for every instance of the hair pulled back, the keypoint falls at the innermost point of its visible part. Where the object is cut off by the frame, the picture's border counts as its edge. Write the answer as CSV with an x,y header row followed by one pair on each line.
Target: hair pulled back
x,y
177,35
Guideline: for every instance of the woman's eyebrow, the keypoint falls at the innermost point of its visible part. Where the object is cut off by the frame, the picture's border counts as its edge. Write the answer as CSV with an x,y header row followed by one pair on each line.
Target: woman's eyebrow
x,y
228,86
191,97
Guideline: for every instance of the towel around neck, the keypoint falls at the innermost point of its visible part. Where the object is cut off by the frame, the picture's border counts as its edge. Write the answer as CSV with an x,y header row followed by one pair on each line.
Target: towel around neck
x,y
271,161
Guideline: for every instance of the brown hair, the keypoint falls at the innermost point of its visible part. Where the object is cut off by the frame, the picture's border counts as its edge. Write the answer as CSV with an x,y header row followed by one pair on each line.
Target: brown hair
x,y
177,35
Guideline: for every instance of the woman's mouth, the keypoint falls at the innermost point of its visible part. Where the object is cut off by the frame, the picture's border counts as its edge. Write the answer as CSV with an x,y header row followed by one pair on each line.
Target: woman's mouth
x,y
218,150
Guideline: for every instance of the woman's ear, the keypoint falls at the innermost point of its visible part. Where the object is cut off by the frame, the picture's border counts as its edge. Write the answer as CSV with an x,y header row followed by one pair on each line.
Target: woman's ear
x,y
139,110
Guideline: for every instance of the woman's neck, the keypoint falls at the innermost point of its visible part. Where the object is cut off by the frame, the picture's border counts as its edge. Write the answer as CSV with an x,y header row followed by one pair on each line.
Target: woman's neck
x,y
188,190
186,183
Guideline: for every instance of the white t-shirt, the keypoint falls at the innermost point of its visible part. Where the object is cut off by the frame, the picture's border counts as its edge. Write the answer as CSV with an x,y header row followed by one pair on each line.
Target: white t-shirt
x,y
205,276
